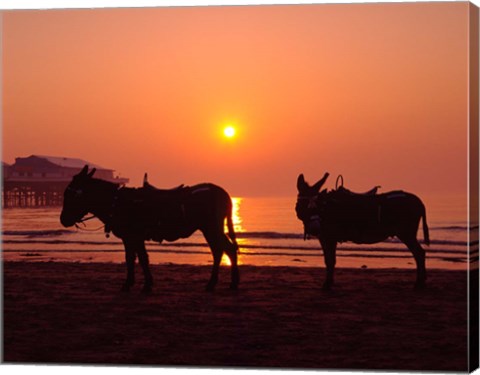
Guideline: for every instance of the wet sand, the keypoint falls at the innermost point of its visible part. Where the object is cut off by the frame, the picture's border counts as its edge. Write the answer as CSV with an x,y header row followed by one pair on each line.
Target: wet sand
x,y
373,319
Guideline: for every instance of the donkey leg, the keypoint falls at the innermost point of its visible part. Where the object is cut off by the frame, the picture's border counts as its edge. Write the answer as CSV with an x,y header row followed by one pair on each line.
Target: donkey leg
x,y
231,252
329,254
130,261
216,244
144,263
419,254
217,257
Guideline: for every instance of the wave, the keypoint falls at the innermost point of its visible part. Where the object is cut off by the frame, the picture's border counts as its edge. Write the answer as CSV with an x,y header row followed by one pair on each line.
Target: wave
x,y
154,246
37,236
439,242
289,236
38,233
270,235
283,235
455,228
454,256
59,232
254,234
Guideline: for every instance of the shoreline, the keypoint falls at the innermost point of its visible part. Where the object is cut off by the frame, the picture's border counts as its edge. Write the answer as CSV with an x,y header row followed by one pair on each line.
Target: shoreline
x,y
30,258
349,258
280,317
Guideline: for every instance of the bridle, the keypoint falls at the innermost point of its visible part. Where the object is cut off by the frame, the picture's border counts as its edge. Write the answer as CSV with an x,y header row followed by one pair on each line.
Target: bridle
x,y
78,193
311,205
312,200
82,221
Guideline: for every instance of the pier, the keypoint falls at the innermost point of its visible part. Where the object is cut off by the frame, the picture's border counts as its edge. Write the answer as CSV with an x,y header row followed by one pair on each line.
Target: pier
x,y
32,193
39,181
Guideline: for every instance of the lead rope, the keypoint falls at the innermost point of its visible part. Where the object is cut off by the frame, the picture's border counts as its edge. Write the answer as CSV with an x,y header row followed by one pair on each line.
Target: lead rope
x,y
85,229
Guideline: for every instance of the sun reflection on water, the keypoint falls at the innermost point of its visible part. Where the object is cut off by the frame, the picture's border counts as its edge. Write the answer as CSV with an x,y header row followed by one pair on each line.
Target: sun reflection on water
x,y
236,218
238,228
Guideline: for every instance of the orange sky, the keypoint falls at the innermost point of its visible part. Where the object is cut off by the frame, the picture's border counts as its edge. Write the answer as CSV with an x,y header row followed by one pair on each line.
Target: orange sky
x,y
375,92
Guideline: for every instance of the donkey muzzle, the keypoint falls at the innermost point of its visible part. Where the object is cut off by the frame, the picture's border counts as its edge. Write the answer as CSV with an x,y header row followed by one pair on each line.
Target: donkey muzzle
x,y
66,221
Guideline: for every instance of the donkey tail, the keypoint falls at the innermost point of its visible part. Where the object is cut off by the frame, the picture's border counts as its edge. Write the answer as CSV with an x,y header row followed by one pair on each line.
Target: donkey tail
x,y
231,231
426,235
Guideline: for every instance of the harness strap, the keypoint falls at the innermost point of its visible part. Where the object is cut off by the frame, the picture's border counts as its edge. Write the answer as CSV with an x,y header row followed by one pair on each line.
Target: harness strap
x,y
108,226
108,229
87,218
86,229
82,221
339,179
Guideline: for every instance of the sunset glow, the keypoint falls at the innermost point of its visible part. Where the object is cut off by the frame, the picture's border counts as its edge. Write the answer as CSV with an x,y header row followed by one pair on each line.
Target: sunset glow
x,y
316,88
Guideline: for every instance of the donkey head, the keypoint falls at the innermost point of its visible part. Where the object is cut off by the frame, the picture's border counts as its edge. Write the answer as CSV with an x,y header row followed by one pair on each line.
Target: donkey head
x,y
75,202
308,203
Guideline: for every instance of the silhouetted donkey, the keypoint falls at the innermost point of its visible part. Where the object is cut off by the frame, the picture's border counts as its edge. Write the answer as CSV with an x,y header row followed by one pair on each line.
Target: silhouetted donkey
x,y
138,214
340,215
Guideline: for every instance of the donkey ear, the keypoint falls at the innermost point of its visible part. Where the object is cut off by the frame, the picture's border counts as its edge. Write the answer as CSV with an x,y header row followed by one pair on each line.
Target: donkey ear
x,y
92,172
301,184
84,171
320,183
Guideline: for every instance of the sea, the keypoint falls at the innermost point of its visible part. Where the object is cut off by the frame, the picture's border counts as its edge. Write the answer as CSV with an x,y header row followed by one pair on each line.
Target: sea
x,y
268,233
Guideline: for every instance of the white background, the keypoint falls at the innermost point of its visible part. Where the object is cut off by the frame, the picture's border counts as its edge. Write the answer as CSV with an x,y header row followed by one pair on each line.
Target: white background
x,y
81,370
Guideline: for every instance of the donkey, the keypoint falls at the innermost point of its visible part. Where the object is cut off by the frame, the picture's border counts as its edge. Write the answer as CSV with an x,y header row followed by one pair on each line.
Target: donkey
x,y
340,216
138,214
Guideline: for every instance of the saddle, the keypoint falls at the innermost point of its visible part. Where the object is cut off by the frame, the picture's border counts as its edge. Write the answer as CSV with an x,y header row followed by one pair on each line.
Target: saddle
x,y
346,192
149,186
370,192
157,213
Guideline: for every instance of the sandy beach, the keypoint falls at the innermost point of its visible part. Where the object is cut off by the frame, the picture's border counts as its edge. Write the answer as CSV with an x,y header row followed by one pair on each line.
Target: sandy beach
x,y
75,313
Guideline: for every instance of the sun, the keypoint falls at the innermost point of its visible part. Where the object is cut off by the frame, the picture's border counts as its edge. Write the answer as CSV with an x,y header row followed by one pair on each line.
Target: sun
x,y
229,131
